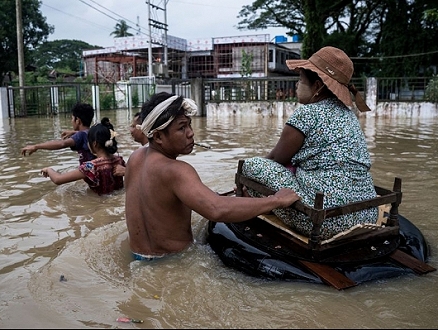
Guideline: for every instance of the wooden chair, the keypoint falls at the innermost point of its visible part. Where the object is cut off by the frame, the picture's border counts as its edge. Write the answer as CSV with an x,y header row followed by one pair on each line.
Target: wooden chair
x,y
357,244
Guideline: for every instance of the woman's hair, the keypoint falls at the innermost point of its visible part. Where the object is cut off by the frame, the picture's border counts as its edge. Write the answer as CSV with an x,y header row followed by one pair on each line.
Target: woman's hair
x,y
103,134
312,77
106,121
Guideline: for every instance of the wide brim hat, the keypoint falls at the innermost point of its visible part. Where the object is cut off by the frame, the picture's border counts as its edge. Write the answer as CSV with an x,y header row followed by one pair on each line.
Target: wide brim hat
x,y
335,69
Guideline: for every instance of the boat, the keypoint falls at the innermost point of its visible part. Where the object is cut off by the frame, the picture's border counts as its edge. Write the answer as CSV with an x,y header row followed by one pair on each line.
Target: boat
x,y
265,247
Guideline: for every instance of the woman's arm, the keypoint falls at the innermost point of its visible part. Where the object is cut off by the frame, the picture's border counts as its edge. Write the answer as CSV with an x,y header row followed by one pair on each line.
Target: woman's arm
x,y
119,170
290,142
61,178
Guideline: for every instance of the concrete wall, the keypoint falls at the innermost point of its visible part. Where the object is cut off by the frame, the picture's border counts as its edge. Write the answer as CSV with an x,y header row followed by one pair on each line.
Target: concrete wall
x,y
285,109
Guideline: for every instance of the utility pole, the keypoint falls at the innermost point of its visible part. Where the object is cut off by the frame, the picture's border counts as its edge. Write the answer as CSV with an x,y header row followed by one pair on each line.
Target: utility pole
x,y
150,40
20,46
158,37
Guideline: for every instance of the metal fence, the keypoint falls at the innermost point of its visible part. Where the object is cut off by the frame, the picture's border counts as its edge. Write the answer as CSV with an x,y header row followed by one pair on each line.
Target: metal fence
x,y
257,89
48,99
59,98
402,89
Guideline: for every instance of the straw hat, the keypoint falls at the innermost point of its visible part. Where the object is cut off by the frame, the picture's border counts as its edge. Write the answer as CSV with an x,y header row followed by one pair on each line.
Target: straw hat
x,y
335,69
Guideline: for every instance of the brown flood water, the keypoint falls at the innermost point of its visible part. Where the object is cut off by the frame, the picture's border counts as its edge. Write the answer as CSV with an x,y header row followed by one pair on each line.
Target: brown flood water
x,y
47,231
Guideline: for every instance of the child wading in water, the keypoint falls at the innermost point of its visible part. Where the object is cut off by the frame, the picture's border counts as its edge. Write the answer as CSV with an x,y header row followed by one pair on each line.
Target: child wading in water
x,y
81,117
97,173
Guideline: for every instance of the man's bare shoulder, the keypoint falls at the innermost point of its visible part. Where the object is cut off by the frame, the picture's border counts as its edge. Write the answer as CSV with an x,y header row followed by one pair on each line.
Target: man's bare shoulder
x,y
182,171
140,152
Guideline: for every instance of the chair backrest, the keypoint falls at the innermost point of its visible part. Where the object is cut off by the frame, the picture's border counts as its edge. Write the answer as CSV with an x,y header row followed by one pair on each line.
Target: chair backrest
x,y
318,214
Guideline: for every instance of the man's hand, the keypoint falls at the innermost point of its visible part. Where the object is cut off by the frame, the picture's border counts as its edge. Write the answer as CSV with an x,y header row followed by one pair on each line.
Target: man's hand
x,y
67,134
286,197
45,172
31,149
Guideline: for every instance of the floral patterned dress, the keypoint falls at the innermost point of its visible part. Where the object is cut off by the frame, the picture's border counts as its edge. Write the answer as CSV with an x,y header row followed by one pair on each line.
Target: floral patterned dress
x,y
99,174
334,159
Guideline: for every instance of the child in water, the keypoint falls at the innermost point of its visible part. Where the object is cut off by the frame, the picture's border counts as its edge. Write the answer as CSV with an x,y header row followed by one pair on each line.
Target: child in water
x,y
97,173
81,117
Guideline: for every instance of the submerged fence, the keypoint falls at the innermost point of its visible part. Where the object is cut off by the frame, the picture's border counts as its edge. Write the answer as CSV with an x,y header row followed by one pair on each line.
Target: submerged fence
x,y
59,98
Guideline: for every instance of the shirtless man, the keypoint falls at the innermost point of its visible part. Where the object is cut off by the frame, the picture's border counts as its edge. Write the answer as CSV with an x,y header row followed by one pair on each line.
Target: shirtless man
x,y
162,192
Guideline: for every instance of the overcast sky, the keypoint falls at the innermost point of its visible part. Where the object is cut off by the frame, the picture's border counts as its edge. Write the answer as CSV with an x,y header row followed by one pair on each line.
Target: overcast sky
x,y
92,21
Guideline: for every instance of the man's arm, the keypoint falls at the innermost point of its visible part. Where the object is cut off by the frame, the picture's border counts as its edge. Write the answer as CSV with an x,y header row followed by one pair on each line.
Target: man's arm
x,y
48,145
189,188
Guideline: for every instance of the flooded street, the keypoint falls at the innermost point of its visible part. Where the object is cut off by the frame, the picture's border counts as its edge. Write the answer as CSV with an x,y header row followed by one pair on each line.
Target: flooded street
x,y
49,231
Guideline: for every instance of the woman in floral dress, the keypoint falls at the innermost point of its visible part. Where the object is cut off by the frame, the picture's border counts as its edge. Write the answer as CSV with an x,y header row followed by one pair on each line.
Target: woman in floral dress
x,y
322,147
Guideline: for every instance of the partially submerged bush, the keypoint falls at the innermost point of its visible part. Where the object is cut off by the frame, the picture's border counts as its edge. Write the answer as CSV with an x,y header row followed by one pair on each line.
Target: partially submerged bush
x,y
431,92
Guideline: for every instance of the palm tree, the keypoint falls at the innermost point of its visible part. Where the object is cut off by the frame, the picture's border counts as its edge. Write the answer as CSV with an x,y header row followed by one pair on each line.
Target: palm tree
x,y
121,30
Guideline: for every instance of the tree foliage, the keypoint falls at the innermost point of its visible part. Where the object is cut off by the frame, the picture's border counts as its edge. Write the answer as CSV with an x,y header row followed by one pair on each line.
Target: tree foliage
x,y
61,55
35,31
379,35
405,42
431,92
121,30
314,20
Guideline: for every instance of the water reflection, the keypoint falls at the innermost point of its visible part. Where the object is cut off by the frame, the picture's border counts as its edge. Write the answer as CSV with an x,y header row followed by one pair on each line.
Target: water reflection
x,y
48,231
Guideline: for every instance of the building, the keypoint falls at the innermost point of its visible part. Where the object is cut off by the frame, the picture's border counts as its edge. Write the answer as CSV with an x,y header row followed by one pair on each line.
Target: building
x,y
177,58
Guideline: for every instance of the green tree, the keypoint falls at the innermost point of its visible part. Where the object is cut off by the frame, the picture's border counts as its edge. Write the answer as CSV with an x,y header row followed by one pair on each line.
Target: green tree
x,y
346,21
61,55
406,42
384,33
431,15
121,30
247,59
35,31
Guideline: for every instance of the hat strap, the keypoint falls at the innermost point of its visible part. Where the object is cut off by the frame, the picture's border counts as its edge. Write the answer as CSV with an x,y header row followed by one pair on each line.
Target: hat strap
x,y
360,103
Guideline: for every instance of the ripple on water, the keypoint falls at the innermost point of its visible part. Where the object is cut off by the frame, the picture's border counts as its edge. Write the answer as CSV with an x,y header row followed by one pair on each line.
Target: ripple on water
x,y
48,231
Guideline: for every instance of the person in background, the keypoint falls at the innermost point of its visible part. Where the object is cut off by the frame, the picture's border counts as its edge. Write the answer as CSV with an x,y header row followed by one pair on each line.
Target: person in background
x,y
135,130
81,118
107,122
161,191
322,147
280,94
97,173
138,136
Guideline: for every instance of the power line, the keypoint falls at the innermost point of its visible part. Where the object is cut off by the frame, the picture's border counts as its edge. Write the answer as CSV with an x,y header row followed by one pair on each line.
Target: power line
x,y
117,20
127,20
81,18
100,11
378,58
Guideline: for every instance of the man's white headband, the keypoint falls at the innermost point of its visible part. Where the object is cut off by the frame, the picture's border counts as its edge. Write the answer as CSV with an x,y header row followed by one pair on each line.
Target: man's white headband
x,y
188,105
